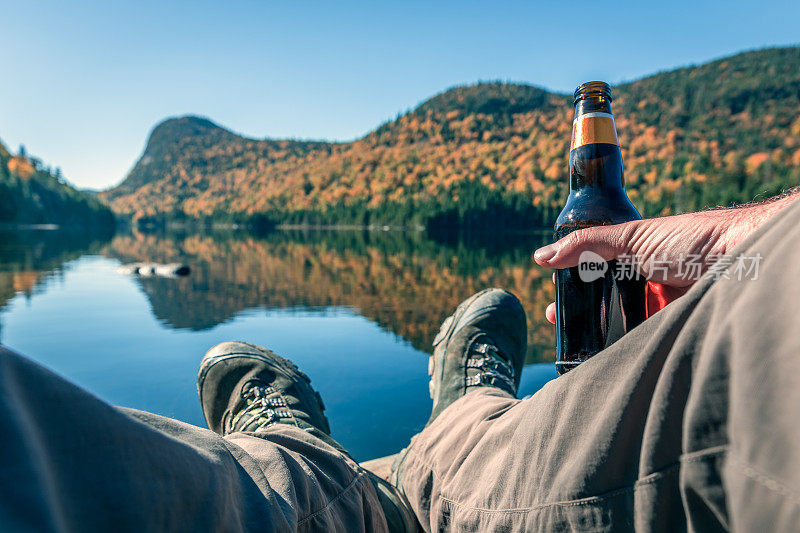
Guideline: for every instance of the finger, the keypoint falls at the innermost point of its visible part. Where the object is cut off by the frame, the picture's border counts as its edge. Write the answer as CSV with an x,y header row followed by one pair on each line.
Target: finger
x,y
554,278
609,242
550,313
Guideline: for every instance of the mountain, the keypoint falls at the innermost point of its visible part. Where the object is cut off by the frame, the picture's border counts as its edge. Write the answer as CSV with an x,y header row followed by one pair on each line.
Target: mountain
x,y
489,155
30,193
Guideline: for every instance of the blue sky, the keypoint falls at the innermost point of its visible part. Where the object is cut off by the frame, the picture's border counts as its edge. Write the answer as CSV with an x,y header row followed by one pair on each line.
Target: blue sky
x,y
83,82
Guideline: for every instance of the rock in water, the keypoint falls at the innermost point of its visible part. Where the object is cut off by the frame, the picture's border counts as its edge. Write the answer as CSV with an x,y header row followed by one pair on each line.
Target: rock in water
x,y
171,270
128,270
146,270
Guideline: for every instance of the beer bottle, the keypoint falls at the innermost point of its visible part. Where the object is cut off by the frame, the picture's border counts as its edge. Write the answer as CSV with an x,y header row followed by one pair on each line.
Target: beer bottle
x,y
595,304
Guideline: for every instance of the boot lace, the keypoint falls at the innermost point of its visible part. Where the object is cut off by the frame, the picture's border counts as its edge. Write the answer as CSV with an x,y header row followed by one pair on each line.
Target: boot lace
x,y
264,405
493,369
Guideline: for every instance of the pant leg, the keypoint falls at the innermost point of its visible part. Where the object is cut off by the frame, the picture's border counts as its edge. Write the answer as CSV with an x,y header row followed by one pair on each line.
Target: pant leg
x,y
691,421
72,462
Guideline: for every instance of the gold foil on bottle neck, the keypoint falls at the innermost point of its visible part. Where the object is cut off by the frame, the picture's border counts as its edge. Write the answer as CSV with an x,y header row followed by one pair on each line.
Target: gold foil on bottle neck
x,y
593,128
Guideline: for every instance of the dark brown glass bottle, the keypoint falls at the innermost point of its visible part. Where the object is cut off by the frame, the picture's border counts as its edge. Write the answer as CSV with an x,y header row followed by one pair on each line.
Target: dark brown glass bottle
x,y
590,315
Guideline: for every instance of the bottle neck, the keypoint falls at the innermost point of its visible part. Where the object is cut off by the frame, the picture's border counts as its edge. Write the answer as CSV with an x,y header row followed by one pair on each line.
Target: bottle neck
x,y
595,160
593,104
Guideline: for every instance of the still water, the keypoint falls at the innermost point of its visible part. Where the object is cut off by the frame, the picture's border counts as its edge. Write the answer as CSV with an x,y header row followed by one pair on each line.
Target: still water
x,y
357,311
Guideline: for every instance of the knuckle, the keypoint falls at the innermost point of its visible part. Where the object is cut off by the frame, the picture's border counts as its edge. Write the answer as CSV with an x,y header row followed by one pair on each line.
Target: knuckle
x,y
586,236
627,231
573,240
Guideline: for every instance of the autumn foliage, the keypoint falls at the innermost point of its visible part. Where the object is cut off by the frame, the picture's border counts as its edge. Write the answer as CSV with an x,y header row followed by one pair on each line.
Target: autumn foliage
x,y
32,193
491,154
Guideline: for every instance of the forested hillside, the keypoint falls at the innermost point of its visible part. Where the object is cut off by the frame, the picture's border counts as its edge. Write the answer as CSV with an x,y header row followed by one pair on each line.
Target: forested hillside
x,y
490,155
31,193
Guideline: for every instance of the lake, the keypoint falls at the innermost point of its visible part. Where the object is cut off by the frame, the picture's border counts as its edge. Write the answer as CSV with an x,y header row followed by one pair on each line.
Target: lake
x,y
356,310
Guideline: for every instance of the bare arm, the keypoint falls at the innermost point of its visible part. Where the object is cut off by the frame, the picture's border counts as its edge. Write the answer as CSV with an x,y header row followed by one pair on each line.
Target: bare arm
x,y
752,216
707,234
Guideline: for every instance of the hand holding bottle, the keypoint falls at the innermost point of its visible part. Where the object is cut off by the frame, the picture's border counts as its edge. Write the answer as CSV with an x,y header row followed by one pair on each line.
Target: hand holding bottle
x,y
664,242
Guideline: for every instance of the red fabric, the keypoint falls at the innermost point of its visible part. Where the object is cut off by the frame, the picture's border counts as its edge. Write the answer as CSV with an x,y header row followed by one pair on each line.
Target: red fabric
x,y
656,297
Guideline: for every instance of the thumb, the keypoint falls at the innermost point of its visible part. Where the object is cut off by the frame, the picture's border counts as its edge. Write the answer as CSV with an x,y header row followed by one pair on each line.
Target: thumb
x,y
609,242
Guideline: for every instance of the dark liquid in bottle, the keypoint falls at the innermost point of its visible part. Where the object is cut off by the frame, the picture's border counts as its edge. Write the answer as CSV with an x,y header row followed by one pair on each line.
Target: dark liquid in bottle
x,y
593,315
590,316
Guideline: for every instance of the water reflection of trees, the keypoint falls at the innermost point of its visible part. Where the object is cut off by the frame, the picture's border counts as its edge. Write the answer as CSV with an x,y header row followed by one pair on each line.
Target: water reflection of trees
x,y
405,282
28,257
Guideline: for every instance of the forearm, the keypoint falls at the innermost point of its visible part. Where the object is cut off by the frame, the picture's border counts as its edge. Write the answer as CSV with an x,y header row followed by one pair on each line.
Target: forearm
x,y
705,233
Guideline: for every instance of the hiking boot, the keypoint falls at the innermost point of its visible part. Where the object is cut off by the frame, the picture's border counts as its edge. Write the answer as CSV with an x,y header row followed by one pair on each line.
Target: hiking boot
x,y
482,344
244,387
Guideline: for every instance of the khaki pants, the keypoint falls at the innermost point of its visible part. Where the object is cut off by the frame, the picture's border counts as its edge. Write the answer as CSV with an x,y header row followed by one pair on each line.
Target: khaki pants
x,y
691,421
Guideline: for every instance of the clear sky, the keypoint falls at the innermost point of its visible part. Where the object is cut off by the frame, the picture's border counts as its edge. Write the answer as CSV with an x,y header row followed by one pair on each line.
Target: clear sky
x,y
82,83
